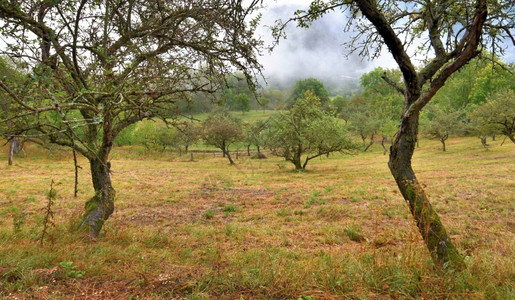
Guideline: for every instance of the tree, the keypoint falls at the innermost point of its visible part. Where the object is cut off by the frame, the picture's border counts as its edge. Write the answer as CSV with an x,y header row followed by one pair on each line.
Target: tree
x,y
254,135
339,103
497,114
189,134
306,130
452,33
97,67
442,123
264,102
11,74
221,130
242,102
310,84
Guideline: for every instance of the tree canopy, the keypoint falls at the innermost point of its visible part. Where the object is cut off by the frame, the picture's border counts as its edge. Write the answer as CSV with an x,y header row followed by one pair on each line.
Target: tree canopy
x,y
306,130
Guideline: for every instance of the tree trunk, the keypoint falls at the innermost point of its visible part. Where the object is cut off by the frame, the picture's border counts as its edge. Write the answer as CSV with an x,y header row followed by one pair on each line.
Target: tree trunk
x,y
101,205
258,150
382,145
442,140
226,153
429,225
483,141
493,136
296,159
186,149
370,143
248,150
11,153
14,147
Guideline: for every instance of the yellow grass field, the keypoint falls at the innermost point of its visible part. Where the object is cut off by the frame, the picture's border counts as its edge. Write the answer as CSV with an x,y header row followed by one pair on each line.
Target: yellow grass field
x,y
259,230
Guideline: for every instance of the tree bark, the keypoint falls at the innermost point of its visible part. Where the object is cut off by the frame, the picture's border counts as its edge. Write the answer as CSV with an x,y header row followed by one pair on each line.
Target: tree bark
x,y
429,225
101,205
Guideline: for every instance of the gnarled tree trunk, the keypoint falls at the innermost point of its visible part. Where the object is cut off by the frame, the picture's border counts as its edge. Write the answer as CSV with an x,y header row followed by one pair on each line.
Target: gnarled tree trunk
x,y
429,225
101,205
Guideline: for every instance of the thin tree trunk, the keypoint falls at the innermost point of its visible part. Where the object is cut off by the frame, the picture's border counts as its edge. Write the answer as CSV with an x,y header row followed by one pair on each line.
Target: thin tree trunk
x,y
493,136
248,150
382,145
101,205
442,140
483,141
186,149
370,143
76,167
11,153
429,225
226,153
14,148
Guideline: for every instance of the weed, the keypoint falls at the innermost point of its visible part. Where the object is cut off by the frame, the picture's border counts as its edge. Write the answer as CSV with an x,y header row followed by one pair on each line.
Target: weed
x,y
71,269
229,208
209,214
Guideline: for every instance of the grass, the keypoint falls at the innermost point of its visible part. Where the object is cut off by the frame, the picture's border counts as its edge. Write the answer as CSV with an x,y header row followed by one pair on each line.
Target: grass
x,y
205,229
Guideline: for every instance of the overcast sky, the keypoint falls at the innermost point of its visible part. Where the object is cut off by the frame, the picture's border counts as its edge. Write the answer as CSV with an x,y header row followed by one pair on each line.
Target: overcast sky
x,y
318,51
315,52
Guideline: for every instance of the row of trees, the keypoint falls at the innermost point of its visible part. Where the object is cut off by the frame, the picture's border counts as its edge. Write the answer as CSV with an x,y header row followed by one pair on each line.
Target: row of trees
x,y
476,101
304,132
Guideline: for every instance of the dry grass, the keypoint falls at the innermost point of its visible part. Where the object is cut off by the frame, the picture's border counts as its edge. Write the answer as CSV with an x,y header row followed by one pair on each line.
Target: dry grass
x,y
259,230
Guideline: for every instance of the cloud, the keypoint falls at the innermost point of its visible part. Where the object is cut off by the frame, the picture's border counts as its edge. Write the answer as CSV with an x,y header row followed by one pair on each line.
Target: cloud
x,y
314,52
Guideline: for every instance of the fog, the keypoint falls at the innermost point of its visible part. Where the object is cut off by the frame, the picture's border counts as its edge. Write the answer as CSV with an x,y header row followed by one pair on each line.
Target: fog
x,y
319,51
315,52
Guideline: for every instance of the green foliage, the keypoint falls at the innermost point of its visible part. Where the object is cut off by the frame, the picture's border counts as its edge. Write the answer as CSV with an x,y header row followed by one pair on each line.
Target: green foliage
x,y
490,80
339,103
310,84
126,136
497,115
221,130
306,130
242,102
441,124
377,109
71,269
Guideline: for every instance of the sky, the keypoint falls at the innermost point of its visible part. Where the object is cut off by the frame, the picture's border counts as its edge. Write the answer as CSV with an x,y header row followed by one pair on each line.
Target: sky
x,y
318,51
315,52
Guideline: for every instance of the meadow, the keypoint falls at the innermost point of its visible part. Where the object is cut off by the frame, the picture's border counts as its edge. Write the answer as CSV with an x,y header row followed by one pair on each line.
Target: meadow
x,y
203,229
